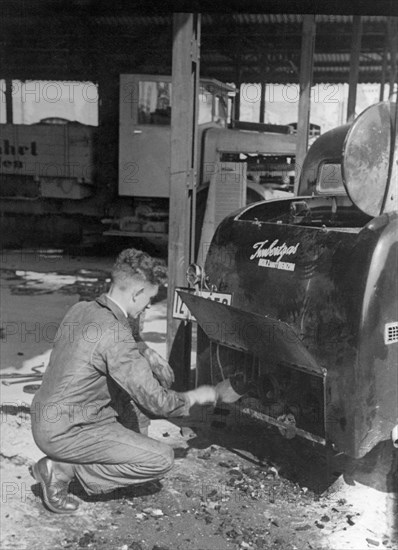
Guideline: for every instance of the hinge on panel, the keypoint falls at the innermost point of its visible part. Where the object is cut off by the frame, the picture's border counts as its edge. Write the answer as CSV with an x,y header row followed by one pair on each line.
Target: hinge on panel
x,y
195,49
191,180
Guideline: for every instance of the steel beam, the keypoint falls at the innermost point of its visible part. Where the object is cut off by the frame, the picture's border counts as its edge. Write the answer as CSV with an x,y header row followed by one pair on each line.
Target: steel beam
x,y
304,107
238,83
262,101
354,67
183,170
383,73
393,40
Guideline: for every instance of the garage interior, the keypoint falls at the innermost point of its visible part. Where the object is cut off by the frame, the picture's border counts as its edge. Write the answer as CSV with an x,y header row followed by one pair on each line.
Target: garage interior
x,y
105,47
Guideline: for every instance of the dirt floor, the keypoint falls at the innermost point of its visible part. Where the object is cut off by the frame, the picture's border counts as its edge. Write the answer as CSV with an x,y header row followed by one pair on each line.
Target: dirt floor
x,y
236,484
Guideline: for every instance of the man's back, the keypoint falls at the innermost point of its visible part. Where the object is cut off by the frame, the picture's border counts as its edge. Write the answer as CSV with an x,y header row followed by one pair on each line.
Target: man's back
x,y
75,389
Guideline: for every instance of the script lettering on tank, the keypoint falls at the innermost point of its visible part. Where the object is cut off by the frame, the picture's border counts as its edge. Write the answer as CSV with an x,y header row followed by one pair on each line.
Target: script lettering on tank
x,y
271,254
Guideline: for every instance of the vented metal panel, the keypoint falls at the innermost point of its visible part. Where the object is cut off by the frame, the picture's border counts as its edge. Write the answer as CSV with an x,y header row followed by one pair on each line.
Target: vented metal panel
x,y
227,193
391,333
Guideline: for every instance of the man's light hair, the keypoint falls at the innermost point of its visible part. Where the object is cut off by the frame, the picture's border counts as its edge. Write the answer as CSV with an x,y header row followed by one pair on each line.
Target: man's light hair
x,y
136,264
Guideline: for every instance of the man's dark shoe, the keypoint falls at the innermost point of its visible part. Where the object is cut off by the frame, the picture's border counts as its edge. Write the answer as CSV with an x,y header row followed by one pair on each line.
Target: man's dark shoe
x,y
55,491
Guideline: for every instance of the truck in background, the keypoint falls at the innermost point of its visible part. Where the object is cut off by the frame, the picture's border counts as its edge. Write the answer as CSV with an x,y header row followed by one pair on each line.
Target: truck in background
x,y
144,153
50,171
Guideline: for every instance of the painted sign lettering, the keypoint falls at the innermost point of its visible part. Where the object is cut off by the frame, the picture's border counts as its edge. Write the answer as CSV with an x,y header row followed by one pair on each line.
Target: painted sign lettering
x,y
271,254
7,148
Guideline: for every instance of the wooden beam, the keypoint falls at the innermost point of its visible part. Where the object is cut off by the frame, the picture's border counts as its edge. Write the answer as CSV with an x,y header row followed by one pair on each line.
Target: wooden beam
x,y
185,86
8,100
354,66
304,107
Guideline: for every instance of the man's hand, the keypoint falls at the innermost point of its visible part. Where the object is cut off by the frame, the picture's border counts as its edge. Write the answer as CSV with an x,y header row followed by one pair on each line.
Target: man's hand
x,y
226,393
202,396
160,367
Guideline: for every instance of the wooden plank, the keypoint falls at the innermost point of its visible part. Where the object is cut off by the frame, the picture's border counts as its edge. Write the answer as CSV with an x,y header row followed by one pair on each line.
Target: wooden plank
x,y
306,68
185,85
354,66
8,100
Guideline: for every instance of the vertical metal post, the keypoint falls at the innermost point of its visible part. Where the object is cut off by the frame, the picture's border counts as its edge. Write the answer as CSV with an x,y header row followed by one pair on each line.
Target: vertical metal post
x,y
8,100
262,101
238,90
183,169
306,66
383,74
108,115
393,39
354,67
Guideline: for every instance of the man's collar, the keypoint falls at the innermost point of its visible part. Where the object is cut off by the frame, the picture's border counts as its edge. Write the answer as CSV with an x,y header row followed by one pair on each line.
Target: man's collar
x,y
118,311
117,303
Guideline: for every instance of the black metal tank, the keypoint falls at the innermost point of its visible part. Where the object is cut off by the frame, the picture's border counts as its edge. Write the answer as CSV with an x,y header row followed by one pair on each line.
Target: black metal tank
x,y
313,285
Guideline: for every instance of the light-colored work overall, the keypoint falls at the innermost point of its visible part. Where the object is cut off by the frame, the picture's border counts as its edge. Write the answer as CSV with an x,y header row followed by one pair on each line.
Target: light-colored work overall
x,y
82,413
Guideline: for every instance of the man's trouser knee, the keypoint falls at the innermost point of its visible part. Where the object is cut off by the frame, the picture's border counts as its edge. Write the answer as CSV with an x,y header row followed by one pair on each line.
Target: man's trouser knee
x,y
110,456
147,464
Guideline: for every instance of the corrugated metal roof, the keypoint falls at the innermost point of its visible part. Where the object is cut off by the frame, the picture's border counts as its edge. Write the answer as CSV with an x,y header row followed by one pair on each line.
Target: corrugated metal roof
x,y
265,43
239,18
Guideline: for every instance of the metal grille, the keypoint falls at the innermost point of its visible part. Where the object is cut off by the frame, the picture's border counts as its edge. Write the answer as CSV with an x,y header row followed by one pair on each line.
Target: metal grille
x,y
391,333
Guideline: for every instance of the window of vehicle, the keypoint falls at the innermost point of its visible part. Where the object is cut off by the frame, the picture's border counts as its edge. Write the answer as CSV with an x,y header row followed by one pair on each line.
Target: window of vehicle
x,y
205,105
154,102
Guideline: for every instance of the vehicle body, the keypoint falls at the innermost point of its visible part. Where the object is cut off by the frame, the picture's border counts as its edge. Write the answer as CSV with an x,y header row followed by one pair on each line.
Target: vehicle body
x,y
47,178
313,321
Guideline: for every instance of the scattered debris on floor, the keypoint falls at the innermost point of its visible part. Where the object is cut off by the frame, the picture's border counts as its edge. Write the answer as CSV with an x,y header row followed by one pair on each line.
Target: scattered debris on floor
x,y
235,485
215,497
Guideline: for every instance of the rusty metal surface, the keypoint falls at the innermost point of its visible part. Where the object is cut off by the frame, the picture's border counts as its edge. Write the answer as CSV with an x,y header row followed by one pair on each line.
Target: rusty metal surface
x,y
262,335
270,420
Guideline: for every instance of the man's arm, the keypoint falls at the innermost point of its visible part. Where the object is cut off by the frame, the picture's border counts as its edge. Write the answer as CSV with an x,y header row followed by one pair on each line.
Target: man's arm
x,y
159,366
126,365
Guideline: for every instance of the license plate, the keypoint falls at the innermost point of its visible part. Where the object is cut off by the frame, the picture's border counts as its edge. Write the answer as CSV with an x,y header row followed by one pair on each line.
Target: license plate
x,y
180,310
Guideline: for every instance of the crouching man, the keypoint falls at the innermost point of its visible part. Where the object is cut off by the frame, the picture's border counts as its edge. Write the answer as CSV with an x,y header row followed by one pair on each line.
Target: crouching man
x,y
76,414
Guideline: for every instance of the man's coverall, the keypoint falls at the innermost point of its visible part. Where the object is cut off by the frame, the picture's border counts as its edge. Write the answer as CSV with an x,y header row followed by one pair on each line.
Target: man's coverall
x,y
95,359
